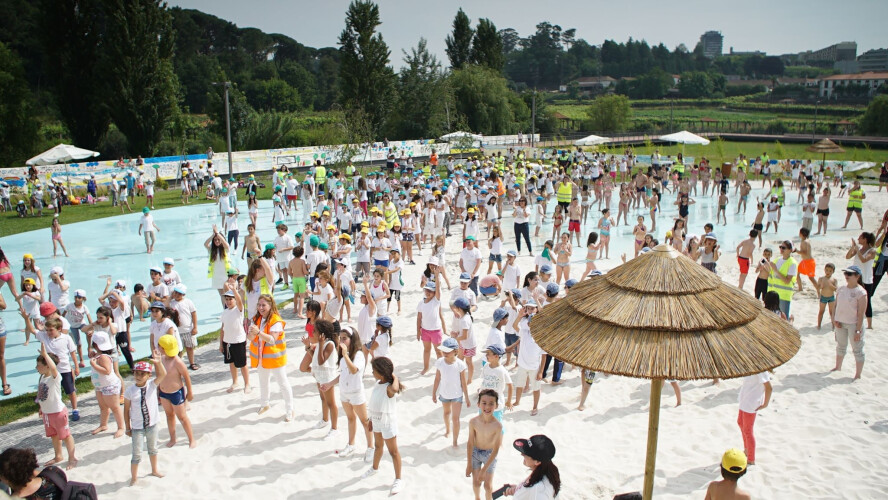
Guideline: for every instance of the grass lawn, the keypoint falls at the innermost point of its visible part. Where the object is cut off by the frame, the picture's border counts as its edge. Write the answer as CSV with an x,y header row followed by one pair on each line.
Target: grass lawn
x,y
580,112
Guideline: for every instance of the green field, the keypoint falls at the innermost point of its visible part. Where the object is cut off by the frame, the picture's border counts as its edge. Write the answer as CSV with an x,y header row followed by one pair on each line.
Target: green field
x,y
580,112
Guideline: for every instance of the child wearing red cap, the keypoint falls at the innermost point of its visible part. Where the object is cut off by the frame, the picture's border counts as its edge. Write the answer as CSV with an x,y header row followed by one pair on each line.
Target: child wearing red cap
x,y
140,413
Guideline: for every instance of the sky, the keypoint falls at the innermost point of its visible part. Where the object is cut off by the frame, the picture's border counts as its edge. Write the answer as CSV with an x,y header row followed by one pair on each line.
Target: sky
x,y
773,26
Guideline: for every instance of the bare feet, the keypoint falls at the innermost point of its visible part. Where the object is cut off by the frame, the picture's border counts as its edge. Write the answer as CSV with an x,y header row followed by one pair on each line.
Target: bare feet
x,y
534,412
156,473
99,429
119,433
192,444
248,389
581,407
424,371
836,369
133,481
72,462
232,388
53,461
171,443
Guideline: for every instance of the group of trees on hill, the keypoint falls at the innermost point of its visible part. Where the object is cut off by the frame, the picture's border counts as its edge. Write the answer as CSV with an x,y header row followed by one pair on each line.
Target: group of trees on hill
x,y
137,77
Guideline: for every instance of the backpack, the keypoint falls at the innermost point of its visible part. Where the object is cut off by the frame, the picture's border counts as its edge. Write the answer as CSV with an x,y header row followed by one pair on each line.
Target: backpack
x,y
71,490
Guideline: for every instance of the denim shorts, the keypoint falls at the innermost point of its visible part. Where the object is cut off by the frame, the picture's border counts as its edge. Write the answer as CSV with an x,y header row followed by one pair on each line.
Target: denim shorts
x,y
454,400
496,257
481,457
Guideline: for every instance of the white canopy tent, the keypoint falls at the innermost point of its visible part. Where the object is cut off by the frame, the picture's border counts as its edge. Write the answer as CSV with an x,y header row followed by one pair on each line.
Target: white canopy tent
x,y
591,140
63,153
453,136
685,137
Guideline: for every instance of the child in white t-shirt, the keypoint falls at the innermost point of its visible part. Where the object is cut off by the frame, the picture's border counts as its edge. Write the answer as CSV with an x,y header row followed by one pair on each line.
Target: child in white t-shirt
x,y
450,385
140,413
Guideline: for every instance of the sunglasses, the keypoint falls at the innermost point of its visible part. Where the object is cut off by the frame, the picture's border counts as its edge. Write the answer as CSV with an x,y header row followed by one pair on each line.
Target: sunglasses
x,y
847,273
782,247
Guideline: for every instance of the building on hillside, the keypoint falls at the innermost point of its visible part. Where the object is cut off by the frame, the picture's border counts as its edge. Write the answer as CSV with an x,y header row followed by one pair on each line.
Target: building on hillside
x,y
595,82
873,60
872,80
748,53
712,43
842,51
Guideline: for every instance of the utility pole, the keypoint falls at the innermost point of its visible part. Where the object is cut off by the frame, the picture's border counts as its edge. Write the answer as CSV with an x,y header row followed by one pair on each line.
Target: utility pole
x,y
814,131
533,119
226,86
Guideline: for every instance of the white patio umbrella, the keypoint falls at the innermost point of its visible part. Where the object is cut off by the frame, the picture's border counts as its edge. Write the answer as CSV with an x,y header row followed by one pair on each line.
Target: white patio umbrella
x,y
592,140
63,153
685,137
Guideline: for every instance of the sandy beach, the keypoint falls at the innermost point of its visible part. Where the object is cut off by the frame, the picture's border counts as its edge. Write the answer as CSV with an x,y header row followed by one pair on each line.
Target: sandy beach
x,y
821,437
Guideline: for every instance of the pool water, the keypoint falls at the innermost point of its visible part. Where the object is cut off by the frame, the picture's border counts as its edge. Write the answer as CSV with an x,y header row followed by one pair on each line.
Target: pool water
x,y
112,247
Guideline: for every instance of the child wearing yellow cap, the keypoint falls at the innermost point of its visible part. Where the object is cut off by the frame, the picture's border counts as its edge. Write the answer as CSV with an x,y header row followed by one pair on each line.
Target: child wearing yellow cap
x,y
733,467
175,389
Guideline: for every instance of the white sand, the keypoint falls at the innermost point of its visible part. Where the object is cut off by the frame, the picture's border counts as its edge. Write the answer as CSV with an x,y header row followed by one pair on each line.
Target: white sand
x,y
821,437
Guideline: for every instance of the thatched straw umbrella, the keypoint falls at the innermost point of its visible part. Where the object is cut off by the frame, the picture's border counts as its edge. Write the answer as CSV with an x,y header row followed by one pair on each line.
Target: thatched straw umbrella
x,y
825,146
663,316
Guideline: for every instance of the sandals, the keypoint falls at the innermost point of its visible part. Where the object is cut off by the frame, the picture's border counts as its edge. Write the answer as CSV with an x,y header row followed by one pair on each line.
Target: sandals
x,y
6,390
194,366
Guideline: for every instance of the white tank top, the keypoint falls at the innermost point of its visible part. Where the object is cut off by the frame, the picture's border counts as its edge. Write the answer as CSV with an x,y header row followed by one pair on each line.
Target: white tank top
x,y
324,373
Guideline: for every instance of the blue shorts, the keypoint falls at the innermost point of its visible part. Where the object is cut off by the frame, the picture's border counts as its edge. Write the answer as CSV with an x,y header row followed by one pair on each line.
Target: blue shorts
x,y
454,400
487,290
511,338
496,258
382,263
176,398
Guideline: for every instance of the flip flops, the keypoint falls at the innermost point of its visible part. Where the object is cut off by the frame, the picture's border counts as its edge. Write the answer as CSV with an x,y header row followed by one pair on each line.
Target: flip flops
x,y
6,390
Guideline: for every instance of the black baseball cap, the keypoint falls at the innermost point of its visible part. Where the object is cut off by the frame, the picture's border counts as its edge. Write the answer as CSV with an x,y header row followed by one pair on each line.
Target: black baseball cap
x,y
538,447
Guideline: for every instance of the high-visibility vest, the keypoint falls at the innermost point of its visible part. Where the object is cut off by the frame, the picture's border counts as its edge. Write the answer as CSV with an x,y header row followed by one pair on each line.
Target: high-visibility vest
x,y
775,284
349,170
269,354
520,175
211,267
320,175
678,167
564,193
780,193
391,215
855,198
500,188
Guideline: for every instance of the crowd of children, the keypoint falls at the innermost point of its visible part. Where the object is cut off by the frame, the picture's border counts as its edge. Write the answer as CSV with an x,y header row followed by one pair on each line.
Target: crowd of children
x,y
344,239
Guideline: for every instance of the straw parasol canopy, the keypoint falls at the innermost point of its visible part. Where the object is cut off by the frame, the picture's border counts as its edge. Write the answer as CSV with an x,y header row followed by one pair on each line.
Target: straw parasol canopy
x,y
825,146
662,315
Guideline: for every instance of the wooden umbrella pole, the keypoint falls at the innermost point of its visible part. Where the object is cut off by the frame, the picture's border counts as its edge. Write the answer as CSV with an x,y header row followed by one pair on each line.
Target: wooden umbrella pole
x,y
650,463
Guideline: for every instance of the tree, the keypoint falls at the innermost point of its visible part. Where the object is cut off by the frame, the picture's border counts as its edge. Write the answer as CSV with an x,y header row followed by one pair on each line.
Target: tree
x,y
459,43
510,40
483,98
610,113
487,46
875,120
143,86
695,84
74,40
273,95
771,66
366,81
18,129
423,97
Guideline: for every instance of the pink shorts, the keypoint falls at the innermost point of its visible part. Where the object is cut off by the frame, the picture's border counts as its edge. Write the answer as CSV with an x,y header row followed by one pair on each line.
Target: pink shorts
x,y
469,353
431,336
56,424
